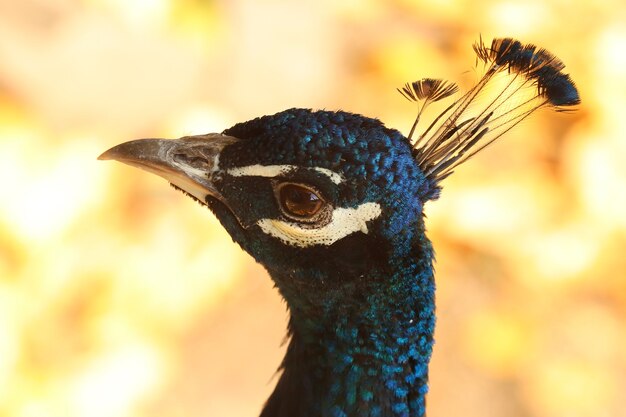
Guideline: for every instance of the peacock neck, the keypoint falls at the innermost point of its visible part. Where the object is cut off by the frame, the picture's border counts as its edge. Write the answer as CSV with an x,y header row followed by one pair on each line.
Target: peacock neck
x,y
363,348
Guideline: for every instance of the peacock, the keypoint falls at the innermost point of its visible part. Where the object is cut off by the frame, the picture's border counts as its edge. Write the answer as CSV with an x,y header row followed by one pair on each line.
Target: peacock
x,y
331,204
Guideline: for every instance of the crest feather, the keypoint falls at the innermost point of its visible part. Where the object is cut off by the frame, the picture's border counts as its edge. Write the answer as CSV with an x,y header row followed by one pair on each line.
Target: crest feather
x,y
518,80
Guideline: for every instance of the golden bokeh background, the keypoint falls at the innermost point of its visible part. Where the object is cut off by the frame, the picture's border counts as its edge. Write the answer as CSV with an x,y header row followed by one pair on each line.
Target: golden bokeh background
x,y
121,297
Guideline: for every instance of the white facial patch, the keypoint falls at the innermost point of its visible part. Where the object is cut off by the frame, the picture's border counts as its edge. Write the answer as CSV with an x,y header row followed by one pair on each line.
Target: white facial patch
x,y
344,222
271,171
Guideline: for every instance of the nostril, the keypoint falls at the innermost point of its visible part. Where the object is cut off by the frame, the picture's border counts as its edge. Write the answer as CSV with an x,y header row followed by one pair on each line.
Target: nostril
x,y
193,161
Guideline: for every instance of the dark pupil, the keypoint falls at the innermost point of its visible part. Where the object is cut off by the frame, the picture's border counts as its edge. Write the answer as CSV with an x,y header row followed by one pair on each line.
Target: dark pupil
x,y
299,201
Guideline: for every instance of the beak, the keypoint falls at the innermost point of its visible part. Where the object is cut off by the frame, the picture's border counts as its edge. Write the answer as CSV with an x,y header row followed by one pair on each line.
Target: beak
x,y
189,163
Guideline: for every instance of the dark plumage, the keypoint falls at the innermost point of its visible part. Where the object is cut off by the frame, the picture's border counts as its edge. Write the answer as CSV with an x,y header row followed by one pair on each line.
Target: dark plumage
x,y
331,203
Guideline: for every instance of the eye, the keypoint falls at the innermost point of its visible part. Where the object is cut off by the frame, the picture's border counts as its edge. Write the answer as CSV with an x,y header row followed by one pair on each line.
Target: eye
x,y
299,201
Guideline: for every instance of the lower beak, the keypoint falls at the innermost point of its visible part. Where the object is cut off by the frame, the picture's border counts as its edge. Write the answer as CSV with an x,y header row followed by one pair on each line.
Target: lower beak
x,y
189,163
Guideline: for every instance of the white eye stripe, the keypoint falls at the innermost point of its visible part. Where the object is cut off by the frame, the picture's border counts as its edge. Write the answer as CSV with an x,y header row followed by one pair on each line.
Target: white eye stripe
x,y
344,222
271,171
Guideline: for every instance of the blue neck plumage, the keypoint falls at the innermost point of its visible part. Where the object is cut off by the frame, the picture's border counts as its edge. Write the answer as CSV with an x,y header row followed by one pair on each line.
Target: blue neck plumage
x,y
366,357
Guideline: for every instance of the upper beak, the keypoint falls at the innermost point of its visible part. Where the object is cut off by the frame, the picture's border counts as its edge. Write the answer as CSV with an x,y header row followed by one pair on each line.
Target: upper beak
x,y
189,163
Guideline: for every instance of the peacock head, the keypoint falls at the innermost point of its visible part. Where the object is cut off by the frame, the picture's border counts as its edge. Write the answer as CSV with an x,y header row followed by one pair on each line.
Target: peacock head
x,y
301,190
324,197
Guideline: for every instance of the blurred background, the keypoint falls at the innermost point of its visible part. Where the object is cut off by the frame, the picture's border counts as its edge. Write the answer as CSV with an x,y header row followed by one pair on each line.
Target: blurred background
x,y
121,297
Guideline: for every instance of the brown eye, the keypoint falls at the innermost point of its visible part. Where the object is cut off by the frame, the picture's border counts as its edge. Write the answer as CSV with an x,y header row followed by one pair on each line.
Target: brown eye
x,y
299,201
